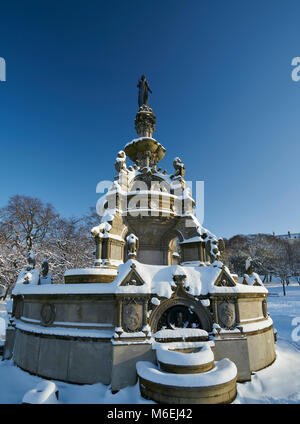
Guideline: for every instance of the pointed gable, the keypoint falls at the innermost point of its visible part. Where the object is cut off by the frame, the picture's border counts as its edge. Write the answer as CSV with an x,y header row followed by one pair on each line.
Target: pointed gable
x,y
133,278
225,279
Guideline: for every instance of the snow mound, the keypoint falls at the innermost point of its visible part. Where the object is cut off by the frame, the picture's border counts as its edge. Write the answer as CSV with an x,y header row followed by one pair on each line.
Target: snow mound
x,y
45,392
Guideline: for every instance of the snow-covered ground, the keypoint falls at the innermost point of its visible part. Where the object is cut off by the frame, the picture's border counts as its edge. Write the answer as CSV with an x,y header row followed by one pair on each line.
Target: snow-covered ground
x,y
278,383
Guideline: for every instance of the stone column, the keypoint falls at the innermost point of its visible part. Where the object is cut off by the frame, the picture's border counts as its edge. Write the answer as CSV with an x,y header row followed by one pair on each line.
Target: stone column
x,y
98,242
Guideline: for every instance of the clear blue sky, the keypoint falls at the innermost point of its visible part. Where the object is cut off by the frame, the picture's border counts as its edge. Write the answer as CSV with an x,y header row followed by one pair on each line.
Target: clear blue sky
x,y
220,72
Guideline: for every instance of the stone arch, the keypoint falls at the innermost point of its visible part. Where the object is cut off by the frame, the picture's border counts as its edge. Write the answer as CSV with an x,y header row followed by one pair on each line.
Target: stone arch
x,y
201,312
170,243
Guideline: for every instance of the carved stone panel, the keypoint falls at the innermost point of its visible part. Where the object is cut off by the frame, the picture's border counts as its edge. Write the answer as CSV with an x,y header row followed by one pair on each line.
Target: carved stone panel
x,y
132,316
48,313
227,315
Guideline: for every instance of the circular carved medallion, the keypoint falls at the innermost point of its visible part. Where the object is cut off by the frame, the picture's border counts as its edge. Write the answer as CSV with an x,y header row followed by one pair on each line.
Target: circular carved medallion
x,y
132,316
226,314
48,314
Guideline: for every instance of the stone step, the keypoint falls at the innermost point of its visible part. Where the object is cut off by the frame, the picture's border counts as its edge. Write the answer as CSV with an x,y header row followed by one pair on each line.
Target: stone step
x,y
185,360
212,387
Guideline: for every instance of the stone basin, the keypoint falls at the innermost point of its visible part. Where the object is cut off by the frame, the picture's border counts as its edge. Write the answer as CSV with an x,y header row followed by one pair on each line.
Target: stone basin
x,y
185,361
144,144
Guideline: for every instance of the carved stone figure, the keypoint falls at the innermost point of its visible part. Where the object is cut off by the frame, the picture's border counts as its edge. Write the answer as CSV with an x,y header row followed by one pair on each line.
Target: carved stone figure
x,y
132,242
120,163
179,168
143,86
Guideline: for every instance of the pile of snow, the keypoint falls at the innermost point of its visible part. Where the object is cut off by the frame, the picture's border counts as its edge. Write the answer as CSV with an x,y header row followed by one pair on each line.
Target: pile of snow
x,y
45,392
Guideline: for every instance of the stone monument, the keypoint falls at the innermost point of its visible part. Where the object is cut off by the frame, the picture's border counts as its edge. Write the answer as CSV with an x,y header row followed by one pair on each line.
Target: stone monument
x,y
136,313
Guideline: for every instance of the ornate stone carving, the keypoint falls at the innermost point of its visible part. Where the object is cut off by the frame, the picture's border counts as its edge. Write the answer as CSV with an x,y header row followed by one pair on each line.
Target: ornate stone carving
x,y
199,315
48,313
132,316
226,315
145,122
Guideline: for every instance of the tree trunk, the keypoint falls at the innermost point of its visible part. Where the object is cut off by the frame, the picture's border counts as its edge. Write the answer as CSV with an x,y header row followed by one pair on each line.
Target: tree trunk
x,y
283,286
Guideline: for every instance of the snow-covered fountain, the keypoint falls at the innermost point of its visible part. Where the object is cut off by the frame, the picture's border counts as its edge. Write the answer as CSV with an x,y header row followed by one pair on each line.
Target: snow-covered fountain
x,y
158,304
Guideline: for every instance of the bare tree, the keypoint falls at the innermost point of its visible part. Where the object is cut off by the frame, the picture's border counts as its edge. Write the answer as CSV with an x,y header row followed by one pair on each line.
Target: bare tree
x,y
26,220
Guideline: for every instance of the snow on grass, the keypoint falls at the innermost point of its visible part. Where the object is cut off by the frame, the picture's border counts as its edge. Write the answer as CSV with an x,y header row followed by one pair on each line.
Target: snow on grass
x,y
280,382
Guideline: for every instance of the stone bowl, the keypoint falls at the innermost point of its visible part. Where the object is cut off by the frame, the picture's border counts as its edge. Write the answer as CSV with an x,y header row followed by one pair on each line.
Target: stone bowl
x,y
144,144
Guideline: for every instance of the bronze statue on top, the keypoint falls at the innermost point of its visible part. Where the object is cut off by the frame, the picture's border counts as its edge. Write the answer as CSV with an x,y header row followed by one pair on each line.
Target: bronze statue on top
x,y
144,88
